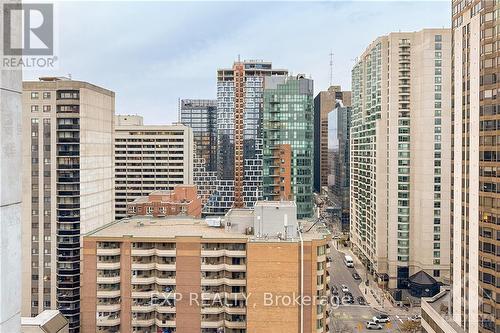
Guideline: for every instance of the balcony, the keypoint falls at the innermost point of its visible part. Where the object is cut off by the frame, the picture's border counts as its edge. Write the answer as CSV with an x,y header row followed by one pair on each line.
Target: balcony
x,y
143,252
143,308
212,324
143,322
108,293
165,267
235,310
108,251
169,322
236,324
108,307
212,310
143,279
108,279
112,320
143,266
166,252
165,309
108,265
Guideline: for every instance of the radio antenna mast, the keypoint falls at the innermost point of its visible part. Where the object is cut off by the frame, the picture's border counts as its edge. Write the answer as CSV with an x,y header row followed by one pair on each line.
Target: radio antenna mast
x,y
331,68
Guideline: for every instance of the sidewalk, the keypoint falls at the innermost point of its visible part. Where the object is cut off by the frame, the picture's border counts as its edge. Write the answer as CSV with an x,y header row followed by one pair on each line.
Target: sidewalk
x,y
372,293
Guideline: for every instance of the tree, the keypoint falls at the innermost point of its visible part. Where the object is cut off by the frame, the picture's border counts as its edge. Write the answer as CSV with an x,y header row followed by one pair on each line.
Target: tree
x,y
410,326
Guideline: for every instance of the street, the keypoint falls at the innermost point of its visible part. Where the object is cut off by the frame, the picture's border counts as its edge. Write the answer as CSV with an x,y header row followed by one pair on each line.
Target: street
x,y
352,317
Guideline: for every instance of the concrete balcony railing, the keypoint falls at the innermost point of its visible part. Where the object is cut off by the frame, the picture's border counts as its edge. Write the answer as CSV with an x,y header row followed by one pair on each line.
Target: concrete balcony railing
x,y
320,272
223,252
108,293
143,266
165,323
235,310
321,258
166,253
145,308
143,322
108,307
235,324
143,252
165,267
143,294
108,279
143,280
108,251
222,281
212,268
212,324
108,321
212,310
108,265
165,309
166,281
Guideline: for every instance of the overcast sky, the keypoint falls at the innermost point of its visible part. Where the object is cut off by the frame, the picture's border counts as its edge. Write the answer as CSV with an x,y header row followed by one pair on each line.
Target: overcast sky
x,y
152,53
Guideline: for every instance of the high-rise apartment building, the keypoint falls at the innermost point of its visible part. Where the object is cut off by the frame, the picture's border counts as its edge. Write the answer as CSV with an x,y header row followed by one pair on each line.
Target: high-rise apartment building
x,y
339,127
401,156
239,130
10,183
324,103
288,126
149,158
67,187
201,116
188,275
476,218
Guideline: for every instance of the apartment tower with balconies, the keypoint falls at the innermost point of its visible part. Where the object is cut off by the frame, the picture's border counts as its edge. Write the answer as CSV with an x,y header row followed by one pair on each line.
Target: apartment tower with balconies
x,y
67,187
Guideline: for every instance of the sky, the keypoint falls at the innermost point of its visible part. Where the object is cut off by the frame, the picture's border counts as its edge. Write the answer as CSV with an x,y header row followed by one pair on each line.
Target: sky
x,y
153,53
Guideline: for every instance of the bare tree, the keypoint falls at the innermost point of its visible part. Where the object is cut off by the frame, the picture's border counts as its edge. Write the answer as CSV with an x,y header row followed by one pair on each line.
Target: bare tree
x,y
409,326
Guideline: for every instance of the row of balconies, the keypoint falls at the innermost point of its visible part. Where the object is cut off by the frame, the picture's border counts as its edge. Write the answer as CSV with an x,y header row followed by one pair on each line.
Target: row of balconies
x,y
222,252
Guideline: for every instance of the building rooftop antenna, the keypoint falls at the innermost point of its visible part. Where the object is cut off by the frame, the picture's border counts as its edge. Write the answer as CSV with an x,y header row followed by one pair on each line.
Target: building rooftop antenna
x,y
331,68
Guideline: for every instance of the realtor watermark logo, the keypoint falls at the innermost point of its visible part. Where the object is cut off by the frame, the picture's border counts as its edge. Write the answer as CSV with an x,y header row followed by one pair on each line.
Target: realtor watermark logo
x,y
28,38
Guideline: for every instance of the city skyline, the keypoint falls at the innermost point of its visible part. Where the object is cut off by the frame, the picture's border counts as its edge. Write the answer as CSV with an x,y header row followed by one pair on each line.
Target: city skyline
x,y
180,53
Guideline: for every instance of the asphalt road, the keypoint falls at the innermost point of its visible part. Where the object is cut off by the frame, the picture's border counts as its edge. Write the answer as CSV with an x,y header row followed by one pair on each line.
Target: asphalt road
x,y
351,317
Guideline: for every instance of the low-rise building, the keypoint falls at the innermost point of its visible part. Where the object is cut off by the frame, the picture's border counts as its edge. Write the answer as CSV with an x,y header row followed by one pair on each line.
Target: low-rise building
x,y
182,200
240,273
49,321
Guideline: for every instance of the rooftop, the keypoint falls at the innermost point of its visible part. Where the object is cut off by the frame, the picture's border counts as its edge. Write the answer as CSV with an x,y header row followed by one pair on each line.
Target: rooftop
x,y
183,226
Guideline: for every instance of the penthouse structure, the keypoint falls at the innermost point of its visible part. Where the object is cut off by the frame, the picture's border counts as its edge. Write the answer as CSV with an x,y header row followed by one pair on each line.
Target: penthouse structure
x,y
143,274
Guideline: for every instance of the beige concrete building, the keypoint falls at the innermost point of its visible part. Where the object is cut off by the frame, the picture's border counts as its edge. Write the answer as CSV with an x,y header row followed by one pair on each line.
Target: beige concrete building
x,y
476,216
401,156
49,321
149,158
67,187
10,182
146,274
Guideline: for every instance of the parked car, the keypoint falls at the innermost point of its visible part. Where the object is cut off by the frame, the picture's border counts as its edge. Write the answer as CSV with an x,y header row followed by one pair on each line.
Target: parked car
x,y
381,318
356,276
361,300
347,300
415,317
371,325
344,288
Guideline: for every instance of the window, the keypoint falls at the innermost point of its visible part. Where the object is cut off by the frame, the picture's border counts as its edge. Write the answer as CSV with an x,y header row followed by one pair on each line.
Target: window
x,y
436,273
46,108
46,95
34,95
34,108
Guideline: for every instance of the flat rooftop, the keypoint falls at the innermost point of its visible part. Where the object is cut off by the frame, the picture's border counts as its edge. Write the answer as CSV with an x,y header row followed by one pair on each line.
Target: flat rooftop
x,y
170,227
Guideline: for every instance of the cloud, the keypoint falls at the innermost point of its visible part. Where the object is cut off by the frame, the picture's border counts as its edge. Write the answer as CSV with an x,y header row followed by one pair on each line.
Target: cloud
x,y
152,53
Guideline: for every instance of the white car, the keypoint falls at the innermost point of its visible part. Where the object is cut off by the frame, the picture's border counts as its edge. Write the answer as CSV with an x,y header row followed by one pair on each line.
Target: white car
x,y
382,319
371,325
415,317
344,288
